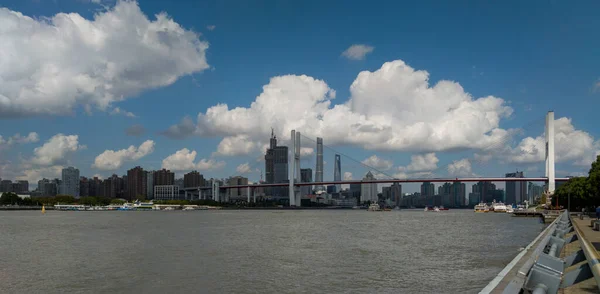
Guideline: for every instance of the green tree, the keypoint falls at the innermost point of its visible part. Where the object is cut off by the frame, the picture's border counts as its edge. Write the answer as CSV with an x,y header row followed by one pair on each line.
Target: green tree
x,y
88,200
65,199
10,198
578,189
594,178
117,201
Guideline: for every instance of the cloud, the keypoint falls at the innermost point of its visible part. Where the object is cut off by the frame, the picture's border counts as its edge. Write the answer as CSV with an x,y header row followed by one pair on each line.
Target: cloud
x,y
421,163
243,168
211,27
119,111
56,150
184,159
460,168
570,145
135,130
236,145
420,166
35,174
18,139
50,66
209,164
112,160
306,151
596,86
347,176
184,129
357,51
378,163
391,109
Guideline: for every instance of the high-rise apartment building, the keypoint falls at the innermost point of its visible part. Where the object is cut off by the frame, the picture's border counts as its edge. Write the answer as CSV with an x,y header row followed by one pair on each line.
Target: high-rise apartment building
x,y
459,192
70,182
237,192
6,186
193,179
164,177
84,187
396,190
136,183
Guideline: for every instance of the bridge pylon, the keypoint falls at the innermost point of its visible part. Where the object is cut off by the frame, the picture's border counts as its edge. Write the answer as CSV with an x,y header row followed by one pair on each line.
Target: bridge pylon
x,y
549,132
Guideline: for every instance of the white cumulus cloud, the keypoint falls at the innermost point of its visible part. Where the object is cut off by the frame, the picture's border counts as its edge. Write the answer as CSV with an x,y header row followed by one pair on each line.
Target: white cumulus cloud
x,y
243,168
394,109
184,159
111,160
570,145
357,51
56,150
421,163
460,168
119,111
52,65
236,145
347,176
18,139
378,163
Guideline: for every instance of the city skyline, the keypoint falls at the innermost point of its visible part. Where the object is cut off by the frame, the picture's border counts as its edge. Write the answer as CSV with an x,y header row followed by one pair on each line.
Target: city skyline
x,y
165,126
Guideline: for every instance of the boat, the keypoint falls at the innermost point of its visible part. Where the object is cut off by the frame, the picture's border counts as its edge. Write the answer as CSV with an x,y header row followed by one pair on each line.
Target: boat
x,y
436,209
396,208
374,207
509,209
387,209
443,208
499,207
426,208
481,207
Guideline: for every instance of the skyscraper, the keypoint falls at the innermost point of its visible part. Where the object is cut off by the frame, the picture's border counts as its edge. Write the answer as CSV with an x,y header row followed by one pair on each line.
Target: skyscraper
x,y
516,192
319,168
396,190
136,183
193,179
368,191
306,175
337,172
276,166
70,182
164,177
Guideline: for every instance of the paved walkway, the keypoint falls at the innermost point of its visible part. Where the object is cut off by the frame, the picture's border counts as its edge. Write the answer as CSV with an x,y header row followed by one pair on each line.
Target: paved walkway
x,y
589,285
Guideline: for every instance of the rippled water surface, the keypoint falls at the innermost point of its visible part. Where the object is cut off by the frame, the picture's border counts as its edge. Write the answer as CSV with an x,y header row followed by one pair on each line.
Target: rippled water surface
x,y
309,251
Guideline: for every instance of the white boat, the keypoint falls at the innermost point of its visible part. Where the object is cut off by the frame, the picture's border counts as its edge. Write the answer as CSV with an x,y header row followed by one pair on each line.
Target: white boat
x,y
396,208
499,207
436,209
509,209
481,207
374,207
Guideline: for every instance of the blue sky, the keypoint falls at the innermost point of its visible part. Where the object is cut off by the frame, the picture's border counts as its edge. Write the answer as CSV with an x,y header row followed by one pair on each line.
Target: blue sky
x,y
536,56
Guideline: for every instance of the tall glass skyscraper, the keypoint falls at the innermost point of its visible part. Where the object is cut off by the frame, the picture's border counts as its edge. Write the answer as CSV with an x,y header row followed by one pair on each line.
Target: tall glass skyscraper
x,y
337,172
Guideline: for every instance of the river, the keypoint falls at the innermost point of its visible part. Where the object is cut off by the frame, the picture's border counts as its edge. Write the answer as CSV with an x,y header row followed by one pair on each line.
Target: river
x,y
257,251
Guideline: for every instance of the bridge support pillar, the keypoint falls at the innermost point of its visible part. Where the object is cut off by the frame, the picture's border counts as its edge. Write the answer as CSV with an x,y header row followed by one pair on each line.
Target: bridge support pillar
x,y
215,191
294,173
248,193
550,152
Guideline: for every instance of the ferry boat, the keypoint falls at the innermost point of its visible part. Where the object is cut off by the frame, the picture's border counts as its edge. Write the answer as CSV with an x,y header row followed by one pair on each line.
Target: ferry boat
x,y
374,207
481,207
499,207
509,209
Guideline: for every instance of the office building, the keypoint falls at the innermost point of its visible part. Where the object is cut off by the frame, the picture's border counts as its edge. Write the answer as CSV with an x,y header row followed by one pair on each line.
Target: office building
x,y
368,191
306,175
150,185
516,192
276,167
396,191
6,186
337,172
84,187
70,182
166,192
319,165
459,192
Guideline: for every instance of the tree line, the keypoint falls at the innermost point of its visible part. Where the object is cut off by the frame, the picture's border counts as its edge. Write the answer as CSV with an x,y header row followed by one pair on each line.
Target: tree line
x,y
583,191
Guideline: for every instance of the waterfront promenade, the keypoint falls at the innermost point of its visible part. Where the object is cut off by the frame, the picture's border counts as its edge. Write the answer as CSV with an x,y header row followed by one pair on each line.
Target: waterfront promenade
x,y
570,265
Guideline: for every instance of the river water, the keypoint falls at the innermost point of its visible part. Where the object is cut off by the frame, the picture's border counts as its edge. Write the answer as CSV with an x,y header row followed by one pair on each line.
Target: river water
x,y
257,251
